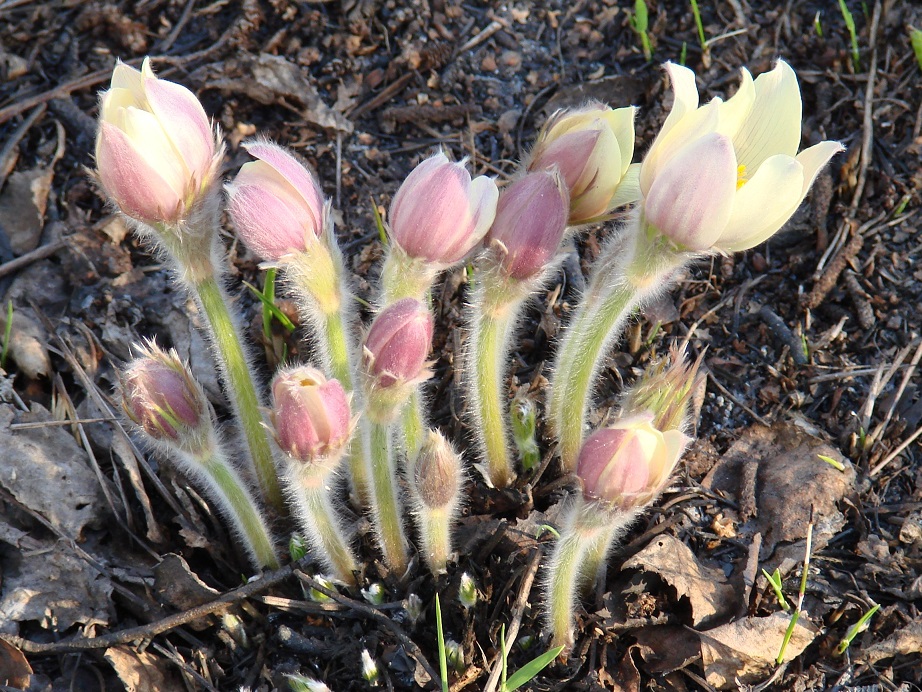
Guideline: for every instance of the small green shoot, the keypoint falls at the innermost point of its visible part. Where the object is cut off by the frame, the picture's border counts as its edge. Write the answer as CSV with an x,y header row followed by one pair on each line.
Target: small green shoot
x,y
901,207
817,25
915,38
522,413
503,656
269,292
683,55
269,304
443,658
7,332
640,22
862,438
775,580
800,594
297,547
379,223
856,629
530,669
699,25
850,25
547,528
835,463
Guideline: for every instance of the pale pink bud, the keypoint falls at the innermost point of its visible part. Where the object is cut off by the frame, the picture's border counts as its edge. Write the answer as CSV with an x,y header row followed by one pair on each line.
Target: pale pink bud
x,y
592,148
155,149
276,204
628,463
310,413
437,474
439,214
398,343
161,397
531,218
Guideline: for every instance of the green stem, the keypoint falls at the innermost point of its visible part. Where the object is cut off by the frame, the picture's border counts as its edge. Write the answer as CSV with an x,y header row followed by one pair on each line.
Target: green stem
x,y
385,504
240,507
310,490
412,426
581,531
435,537
495,308
242,391
338,347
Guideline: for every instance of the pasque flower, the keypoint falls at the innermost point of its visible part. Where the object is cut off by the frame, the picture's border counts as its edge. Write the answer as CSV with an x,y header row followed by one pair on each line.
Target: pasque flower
x,y
155,150
727,175
276,204
592,148
440,214
311,414
627,464
398,343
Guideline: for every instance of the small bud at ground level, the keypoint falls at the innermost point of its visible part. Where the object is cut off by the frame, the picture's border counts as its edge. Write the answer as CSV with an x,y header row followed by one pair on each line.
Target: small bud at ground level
x,y
467,592
437,473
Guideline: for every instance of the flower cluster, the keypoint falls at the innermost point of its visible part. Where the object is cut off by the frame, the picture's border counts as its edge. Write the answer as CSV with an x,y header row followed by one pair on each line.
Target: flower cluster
x,y
718,178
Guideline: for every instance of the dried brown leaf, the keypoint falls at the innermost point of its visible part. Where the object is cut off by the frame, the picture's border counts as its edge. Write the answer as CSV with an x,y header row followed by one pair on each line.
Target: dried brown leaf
x,y
141,671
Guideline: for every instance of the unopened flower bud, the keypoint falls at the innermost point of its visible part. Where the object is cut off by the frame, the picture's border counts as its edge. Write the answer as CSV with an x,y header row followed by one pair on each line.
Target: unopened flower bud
x,y
531,218
155,150
467,592
592,148
310,413
439,214
437,474
160,395
398,343
627,464
318,596
370,672
375,593
454,655
301,683
413,604
276,204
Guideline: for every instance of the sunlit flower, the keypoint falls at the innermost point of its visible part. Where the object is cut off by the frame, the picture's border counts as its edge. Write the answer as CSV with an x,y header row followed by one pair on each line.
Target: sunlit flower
x,y
727,175
155,149
592,148
310,413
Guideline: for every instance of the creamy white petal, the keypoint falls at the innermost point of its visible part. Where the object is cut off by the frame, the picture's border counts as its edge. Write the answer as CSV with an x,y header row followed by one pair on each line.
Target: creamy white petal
x,y
148,139
764,204
628,190
621,121
667,144
773,126
483,198
814,158
735,111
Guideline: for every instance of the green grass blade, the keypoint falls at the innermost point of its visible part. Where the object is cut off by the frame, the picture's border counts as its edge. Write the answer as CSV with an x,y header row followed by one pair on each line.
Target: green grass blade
x,y
443,659
915,37
269,292
531,669
272,307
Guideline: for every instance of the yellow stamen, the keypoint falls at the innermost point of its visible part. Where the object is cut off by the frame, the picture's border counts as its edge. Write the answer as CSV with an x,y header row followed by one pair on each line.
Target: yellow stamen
x,y
741,178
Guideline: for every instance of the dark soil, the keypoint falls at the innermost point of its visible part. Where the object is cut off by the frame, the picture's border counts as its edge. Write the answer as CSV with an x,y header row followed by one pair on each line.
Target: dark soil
x,y
817,330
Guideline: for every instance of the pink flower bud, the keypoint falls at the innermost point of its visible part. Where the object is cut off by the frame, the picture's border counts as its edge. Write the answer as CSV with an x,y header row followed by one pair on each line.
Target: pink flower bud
x,y
592,148
310,413
155,150
161,397
439,214
531,218
437,474
398,343
276,204
628,463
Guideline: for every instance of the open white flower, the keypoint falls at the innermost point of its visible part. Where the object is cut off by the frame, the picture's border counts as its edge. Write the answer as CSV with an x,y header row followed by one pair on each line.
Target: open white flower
x,y
727,175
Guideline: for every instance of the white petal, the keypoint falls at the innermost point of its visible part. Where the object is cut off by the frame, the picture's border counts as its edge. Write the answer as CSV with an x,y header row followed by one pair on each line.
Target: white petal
x,y
814,158
773,126
735,111
483,198
621,121
667,144
764,204
629,189
126,77
685,92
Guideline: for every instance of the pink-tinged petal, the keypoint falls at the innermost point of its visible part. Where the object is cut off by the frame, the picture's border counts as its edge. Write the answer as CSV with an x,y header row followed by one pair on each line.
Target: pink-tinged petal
x,y
668,143
685,94
531,218
267,223
398,342
292,170
571,153
137,188
692,197
764,203
773,126
184,121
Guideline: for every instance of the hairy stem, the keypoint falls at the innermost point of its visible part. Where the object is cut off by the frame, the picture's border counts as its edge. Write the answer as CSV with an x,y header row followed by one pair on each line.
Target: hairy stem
x,y
435,537
310,490
385,501
240,508
242,391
